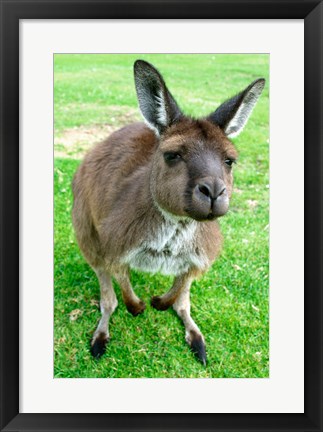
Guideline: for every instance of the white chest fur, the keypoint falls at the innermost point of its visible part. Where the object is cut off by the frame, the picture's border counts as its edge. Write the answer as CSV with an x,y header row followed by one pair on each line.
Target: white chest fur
x,y
170,249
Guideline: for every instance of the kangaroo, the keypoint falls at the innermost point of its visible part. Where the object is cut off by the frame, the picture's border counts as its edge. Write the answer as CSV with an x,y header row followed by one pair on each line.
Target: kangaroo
x,y
149,197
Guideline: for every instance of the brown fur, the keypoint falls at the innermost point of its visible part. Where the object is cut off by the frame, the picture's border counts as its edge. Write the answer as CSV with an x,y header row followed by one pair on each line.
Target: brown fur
x,y
115,175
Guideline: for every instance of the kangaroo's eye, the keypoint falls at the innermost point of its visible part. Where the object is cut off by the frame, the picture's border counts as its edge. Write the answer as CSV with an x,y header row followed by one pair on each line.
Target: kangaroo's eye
x,y
172,157
229,162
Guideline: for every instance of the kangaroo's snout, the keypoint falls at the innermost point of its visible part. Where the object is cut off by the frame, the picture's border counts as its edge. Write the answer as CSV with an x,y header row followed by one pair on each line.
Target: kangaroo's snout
x,y
209,199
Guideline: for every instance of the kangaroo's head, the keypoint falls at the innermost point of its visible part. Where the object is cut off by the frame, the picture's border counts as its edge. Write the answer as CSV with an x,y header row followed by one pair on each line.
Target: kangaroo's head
x,y
192,166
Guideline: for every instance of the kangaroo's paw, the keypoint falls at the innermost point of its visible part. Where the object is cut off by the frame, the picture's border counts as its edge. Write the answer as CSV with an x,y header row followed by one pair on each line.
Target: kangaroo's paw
x,y
197,345
99,344
158,303
136,308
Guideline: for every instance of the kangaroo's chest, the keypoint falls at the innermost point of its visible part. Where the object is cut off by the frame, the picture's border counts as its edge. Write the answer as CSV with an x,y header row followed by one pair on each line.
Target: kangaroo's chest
x,y
170,249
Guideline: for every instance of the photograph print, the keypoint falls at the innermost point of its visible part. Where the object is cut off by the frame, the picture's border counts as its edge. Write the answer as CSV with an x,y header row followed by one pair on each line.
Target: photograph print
x,y
161,216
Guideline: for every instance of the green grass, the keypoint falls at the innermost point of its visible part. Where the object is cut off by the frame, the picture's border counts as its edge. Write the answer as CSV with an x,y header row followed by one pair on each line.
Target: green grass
x,y
230,302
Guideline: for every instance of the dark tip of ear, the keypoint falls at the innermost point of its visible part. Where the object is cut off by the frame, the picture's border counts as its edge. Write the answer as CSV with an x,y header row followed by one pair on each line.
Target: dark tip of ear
x,y
198,347
142,64
139,63
98,347
259,83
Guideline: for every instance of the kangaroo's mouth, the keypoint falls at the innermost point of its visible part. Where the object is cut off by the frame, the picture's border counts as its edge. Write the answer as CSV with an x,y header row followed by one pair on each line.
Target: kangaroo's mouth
x,y
211,216
203,217
207,209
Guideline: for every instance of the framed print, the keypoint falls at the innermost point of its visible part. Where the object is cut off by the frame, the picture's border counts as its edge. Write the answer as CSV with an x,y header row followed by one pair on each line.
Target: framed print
x,y
253,359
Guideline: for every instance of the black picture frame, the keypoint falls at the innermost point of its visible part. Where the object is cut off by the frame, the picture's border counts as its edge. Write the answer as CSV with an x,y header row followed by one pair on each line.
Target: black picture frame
x,y
11,12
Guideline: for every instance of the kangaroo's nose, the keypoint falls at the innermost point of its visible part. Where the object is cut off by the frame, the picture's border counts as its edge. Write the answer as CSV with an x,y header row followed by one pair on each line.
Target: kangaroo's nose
x,y
210,191
205,190
209,199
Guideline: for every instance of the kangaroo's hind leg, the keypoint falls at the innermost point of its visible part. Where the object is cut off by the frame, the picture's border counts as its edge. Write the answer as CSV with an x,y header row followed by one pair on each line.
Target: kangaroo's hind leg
x,y
179,297
193,334
108,304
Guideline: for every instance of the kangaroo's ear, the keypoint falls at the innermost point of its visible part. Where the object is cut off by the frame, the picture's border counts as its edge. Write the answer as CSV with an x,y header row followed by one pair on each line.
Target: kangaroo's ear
x,y
157,105
233,114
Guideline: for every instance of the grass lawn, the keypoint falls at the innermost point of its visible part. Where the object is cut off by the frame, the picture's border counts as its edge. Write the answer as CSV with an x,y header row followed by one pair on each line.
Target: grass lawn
x,y
94,95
